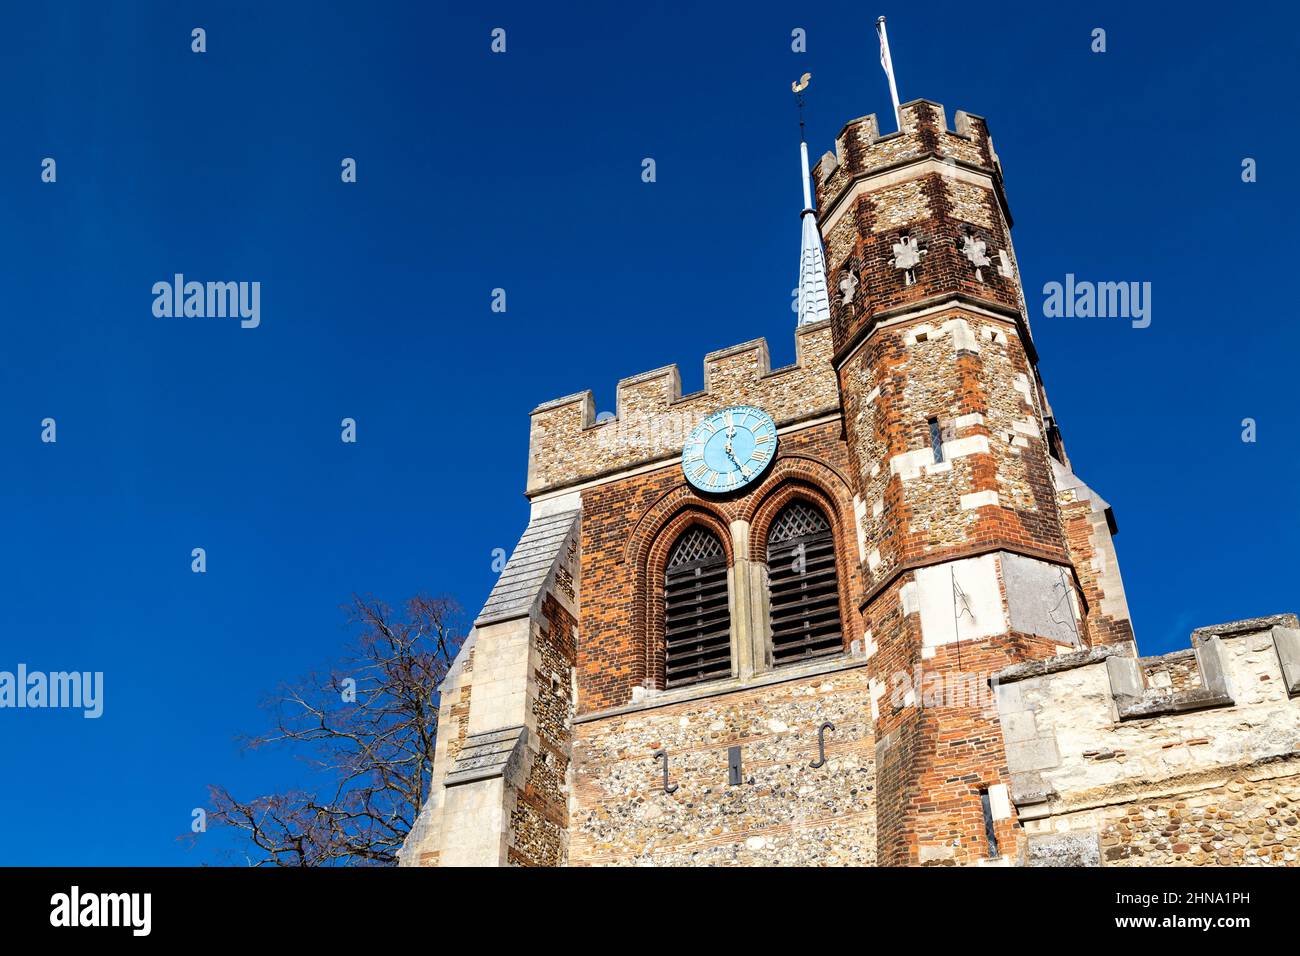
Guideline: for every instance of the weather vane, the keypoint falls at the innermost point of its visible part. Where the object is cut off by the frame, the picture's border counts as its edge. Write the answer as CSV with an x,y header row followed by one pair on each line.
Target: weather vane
x,y
798,86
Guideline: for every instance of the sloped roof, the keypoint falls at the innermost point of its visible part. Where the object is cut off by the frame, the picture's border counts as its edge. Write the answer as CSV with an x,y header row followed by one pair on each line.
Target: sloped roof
x,y
526,571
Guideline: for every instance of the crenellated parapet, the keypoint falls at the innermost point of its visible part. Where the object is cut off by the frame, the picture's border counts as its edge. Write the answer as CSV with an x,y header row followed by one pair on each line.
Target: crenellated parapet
x,y
1099,741
568,444
498,791
915,218
860,149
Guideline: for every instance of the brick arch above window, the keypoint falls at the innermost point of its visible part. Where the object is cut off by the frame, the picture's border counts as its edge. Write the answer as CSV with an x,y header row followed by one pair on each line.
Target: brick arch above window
x,y
673,502
818,483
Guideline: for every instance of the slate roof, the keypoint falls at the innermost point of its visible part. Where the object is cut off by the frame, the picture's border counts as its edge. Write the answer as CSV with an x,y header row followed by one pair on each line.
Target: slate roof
x,y
526,571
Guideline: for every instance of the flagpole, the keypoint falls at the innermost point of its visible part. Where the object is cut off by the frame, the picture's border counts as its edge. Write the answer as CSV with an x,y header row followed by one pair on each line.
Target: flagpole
x,y
888,63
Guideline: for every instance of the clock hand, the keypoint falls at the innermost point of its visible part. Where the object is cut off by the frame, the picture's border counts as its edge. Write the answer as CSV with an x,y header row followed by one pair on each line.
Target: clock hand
x,y
739,464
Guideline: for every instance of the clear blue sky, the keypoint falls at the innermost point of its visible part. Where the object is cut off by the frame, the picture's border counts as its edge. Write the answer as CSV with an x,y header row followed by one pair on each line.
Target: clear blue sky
x,y
522,171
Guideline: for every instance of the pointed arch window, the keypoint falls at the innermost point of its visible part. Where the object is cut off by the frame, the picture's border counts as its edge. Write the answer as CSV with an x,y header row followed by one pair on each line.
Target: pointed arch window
x,y
803,585
697,615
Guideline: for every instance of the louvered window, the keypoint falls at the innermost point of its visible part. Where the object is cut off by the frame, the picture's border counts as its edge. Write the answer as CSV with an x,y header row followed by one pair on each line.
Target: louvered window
x,y
697,620
805,594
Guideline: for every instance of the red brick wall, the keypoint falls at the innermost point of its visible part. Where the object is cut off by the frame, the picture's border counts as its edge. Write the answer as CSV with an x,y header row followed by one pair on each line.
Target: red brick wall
x,y
629,524
933,760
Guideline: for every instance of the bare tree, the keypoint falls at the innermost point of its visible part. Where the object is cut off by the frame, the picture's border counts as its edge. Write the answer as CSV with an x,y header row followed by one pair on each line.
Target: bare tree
x,y
369,726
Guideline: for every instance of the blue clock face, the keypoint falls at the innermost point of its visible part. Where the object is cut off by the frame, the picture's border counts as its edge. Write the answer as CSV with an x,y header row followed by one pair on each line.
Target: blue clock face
x,y
729,449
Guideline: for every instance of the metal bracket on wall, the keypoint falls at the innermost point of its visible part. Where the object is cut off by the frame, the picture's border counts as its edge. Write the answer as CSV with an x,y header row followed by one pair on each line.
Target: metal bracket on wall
x,y
821,745
669,789
733,766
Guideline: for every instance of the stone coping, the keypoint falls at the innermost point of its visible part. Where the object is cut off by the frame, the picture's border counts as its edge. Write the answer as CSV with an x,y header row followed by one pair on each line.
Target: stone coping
x,y
1065,662
732,685
1246,626
1134,700
1053,665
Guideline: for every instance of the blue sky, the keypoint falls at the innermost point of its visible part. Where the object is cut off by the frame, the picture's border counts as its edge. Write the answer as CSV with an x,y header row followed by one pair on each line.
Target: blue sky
x,y
522,171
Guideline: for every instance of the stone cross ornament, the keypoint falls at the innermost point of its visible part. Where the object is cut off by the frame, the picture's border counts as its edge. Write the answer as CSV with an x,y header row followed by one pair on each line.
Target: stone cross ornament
x,y
907,256
976,251
848,287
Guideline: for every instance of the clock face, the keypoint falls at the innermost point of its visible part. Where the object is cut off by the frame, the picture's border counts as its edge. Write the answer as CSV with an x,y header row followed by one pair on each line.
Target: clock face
x,y
729,449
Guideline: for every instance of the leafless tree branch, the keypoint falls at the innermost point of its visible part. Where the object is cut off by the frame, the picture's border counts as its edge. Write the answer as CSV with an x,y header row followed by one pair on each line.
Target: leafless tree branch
x,y
368,726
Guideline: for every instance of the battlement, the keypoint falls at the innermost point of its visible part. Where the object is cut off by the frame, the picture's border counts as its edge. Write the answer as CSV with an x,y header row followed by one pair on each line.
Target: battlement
x,y
567,444
860,150
1100,727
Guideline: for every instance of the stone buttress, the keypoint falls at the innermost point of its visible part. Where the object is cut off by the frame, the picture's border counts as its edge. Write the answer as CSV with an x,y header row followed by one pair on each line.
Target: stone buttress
x,y
499,793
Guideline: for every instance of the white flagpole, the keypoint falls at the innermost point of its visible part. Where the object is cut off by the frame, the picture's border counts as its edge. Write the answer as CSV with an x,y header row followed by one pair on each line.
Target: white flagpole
x,y
888,63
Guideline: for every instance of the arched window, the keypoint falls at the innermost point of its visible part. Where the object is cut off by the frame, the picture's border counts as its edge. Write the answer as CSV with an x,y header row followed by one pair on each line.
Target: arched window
x,y
804,591
697,619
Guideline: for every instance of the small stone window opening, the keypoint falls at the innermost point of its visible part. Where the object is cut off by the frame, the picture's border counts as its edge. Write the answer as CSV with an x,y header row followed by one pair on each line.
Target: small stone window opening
x,y
990,834
936,440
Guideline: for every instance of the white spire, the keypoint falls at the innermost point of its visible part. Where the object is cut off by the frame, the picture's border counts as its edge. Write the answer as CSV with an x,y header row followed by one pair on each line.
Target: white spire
x,y
814,301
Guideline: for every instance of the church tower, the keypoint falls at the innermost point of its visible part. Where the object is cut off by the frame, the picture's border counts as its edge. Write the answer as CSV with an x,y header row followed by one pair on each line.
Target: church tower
x,y
764,623
968,557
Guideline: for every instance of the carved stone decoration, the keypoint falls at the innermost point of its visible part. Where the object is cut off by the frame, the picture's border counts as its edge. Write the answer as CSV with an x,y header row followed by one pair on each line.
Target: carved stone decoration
x,y
976,251
848,287
907,256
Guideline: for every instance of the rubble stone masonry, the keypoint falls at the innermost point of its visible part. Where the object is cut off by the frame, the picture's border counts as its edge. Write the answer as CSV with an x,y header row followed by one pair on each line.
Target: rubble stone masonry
x,y
567,445
1188,759
785,812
